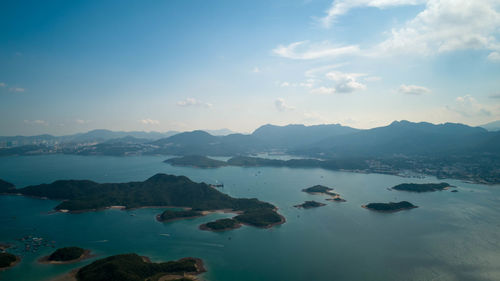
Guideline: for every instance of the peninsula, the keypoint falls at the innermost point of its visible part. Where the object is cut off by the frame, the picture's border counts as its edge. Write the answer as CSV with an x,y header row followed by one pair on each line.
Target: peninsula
x,y
390,207
158,190
66,255
422,187
197,161
310,204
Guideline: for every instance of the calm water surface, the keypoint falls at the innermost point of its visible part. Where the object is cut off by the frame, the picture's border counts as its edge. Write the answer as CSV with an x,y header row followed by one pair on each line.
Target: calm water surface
x,y
451,236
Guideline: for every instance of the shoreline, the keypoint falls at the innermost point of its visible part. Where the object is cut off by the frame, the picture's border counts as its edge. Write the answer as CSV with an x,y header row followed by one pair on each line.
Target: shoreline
x,y
86,255
205,228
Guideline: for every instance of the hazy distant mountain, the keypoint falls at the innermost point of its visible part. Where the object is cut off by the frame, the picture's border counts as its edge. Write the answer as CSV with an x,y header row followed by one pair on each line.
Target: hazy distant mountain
x,y
291,136
492,126
407,138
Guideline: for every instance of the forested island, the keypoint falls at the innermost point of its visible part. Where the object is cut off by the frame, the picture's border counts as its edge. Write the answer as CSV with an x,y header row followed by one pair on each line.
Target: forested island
x,y
66,255
390,207
324,190
8,260
159,190
309,204
422,187
173,215
221,225
132,267
196,161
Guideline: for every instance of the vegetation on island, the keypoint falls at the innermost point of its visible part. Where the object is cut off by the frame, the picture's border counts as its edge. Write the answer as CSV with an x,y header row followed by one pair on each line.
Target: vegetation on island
x,y
66,254
309,204
318,189
422,187
390,207
196,161
221,225
132,267
170,215
7,260
158,190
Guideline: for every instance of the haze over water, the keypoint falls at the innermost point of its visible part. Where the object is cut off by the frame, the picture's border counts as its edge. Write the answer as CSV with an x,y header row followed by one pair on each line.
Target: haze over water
x,y
451,236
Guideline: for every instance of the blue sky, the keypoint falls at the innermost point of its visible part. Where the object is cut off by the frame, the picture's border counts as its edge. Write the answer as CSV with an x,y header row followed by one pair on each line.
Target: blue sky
x,y
72,66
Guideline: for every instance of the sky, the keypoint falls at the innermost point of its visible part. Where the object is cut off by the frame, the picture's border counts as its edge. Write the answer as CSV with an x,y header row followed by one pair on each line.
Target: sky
x,y
74,66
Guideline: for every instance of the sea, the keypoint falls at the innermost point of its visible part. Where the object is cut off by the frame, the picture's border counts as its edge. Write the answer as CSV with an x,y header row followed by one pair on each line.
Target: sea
x,y
450,236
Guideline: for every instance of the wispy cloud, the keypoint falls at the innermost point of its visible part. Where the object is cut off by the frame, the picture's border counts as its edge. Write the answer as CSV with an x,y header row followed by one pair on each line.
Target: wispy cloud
x,y
81,121
495,96
149,121
494,56
36,122
193,102
322,91
281,105
341,7
304,50
413,90
17,90
2,84
256,70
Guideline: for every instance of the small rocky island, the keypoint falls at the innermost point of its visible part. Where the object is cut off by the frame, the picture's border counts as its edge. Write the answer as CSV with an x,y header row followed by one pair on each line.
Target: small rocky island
x,y
66,255
160,190
309,204
422,187
132,267
324,190
8,260
390,207
196,161
221,225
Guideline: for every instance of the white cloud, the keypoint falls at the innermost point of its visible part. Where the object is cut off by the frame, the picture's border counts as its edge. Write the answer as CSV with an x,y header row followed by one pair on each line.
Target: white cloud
x,y
281,105
36,122
193,102
284,84
345,82
304,50
18,90
494,56
2,84
149,121
413,90
256,70
468,106
322,91
447,25
341,7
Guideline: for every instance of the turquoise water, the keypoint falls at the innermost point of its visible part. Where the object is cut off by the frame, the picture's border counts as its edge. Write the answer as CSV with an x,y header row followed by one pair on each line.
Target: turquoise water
x,y
451,236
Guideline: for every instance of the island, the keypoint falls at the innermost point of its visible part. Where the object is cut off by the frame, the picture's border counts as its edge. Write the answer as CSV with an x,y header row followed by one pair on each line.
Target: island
x,y
173,215
221,225
310,204
160,190
324,190
422,187
66,255
132,267
6,186
390,207
8,260
197,161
